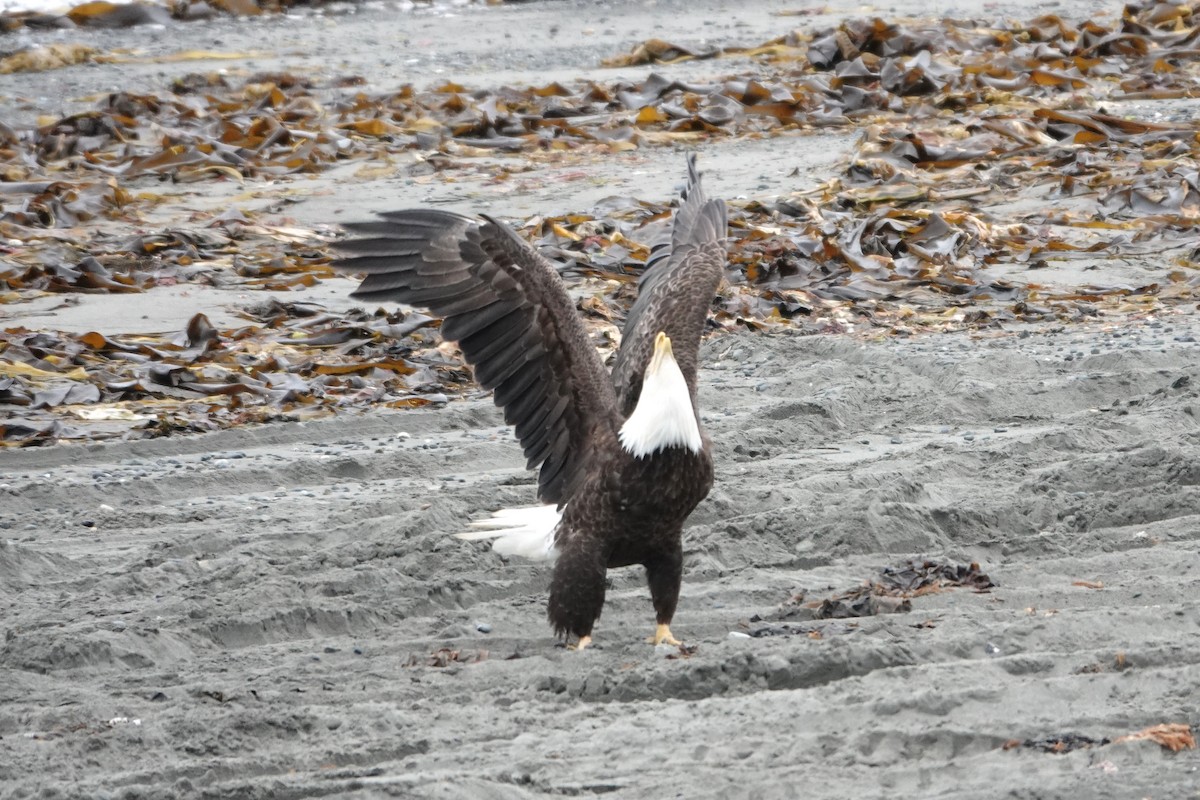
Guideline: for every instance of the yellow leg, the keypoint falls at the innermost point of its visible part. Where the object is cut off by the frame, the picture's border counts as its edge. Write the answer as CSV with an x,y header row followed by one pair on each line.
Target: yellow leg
x,y
662,635
583,642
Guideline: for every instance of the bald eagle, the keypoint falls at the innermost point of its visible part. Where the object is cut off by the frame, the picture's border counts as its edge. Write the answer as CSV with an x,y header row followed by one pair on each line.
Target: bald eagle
x,y
622,458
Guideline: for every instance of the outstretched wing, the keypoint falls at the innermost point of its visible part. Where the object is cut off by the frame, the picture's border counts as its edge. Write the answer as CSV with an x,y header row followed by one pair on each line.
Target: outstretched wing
x,y
674,292
508,310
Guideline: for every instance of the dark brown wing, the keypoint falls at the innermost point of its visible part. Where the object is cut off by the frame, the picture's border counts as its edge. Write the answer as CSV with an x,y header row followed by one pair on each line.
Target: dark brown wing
x,y
508,310
675,292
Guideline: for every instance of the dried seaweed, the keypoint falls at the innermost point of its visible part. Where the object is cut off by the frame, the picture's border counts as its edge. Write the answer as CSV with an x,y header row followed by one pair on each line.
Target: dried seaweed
x,y
296,363
1173,736
445,657
987,157
918,577
1059,744
1170,736
891,593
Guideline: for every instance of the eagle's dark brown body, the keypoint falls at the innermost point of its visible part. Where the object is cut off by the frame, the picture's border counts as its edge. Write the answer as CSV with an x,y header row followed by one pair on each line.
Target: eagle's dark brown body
x,y
621,455
630,511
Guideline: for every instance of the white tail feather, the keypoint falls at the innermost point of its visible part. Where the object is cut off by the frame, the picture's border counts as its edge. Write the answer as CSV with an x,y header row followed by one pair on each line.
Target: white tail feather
x,y
527,531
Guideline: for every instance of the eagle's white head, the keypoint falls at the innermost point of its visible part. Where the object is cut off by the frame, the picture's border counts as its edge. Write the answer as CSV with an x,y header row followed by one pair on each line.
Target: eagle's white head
x,y
664,416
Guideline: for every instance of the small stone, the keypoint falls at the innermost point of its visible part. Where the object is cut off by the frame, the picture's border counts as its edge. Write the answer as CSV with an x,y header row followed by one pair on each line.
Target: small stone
x,y
483,627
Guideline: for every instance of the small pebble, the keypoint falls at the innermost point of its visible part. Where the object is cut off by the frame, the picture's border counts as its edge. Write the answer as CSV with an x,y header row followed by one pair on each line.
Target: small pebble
x,y
483,627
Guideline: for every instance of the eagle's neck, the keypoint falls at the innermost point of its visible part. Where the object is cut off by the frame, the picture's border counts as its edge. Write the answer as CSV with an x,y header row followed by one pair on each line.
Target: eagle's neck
x,y
664,416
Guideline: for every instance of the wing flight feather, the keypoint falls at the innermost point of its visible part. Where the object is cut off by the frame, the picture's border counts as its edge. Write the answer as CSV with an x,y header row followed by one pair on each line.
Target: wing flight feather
x,y
675,292
511,315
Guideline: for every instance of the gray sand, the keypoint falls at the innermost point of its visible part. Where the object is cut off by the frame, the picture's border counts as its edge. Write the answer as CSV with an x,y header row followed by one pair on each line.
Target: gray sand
x,y
252,613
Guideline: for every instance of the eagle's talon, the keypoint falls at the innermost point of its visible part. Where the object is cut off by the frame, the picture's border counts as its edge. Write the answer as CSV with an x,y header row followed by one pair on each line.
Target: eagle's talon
x,y
662,635
583,642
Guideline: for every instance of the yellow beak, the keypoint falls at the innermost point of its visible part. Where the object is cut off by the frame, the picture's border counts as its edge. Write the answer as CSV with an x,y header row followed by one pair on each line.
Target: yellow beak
x,y
662,350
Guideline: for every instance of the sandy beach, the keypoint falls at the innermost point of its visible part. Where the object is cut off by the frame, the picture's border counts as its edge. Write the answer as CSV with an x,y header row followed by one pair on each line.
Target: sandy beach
x,y
279,610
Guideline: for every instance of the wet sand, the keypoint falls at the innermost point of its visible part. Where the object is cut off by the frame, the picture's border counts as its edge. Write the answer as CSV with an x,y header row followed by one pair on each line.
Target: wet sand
x,y
279,611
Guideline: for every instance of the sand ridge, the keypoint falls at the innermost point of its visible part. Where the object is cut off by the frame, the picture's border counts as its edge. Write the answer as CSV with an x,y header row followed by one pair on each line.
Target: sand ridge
x,y
267,614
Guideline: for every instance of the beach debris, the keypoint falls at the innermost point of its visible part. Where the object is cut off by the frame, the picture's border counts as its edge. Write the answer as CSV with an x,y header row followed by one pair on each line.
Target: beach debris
x,y
1173,736
1057,744
657,51
105,14
446,656
1170,736
861,603
890,593
292,362
45,57
986,164
923,576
